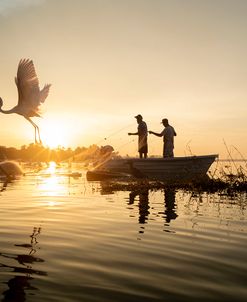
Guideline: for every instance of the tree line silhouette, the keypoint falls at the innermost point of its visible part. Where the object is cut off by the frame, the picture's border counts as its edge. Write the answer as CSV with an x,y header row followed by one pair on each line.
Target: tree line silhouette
x,y
39,153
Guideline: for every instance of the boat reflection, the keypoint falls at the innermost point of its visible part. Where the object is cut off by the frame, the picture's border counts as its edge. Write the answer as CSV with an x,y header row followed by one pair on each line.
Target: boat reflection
x,y
20,284
5,184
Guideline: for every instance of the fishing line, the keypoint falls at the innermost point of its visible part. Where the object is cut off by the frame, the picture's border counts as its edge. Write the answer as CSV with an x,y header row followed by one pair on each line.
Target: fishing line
x,y
114,133
125,144
151,139
99,142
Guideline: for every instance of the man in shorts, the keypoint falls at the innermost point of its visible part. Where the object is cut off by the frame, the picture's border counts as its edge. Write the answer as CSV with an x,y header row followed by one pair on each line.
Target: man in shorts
x,y
142,133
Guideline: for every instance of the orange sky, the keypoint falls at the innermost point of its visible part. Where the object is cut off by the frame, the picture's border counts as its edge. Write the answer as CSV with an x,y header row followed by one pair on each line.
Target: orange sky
x,y
109,60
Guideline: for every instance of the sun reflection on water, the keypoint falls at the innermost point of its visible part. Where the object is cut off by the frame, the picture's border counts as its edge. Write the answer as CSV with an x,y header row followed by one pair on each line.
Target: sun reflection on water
x,y
52,167
52,185
52,203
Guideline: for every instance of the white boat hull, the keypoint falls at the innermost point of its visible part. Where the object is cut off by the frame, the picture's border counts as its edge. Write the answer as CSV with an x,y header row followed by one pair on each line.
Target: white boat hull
x,y
167,169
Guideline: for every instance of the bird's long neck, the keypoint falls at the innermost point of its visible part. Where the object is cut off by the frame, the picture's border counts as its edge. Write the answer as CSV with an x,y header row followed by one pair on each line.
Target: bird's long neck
x,y
8,111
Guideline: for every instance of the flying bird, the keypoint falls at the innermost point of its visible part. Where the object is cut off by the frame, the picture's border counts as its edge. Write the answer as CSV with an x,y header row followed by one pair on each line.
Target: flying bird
x,y
30,97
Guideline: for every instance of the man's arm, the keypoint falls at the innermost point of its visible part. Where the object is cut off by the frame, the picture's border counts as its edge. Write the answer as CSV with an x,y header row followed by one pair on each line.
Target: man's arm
x,y
131,133
155,133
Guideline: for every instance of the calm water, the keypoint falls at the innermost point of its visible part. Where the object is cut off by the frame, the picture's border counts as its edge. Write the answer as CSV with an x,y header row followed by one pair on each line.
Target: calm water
x,y
65,239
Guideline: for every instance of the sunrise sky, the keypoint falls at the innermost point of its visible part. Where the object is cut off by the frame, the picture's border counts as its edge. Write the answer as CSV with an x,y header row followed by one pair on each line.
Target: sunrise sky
x,y
108,60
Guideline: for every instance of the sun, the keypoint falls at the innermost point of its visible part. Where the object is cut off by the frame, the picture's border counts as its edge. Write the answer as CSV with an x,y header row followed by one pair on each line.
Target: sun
x,y
64,130
54,134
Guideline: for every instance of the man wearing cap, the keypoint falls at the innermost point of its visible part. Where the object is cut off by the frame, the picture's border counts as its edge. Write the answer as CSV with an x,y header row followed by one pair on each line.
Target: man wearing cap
x,y
142,133
168,138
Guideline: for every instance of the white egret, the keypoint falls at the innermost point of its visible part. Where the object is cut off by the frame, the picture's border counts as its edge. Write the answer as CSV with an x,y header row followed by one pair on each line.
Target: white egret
x,y
30,97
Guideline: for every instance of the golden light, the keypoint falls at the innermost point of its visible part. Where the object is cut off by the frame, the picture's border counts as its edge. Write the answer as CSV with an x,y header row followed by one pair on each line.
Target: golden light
x,y
50,190
64,130
51,185
52,167
54,134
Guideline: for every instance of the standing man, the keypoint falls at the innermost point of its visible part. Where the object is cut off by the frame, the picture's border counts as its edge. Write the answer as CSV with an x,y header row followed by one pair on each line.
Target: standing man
x,y
168,138
142,133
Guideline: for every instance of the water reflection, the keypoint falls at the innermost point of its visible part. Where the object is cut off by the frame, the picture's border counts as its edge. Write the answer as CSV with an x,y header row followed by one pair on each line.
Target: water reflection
x,y
5,184
143,204
169,213
21,282
169,202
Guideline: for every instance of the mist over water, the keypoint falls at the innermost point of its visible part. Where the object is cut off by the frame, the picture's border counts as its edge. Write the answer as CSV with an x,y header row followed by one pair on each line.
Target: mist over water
x,y
67,239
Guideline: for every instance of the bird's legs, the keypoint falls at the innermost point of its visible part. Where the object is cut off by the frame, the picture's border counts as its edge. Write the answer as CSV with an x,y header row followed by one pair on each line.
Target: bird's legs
x,y
36,129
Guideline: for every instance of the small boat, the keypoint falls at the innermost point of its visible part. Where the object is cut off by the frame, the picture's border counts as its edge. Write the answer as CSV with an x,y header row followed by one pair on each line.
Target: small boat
x,y
10,168
176,169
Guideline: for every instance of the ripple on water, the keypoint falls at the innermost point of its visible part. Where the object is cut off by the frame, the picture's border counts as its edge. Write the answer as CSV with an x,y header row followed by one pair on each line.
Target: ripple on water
x,y
62,240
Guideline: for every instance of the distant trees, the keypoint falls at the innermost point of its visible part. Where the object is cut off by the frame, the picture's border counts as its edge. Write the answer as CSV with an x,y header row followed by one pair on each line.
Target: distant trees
x,y
39,153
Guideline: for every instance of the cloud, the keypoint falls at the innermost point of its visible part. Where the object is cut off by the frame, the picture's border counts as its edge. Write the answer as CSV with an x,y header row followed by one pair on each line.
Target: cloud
x,y
7,6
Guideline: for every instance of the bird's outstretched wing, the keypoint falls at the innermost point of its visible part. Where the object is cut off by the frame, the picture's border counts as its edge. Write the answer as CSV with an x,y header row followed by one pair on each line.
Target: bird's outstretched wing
x,y
27,83
29,94
44,92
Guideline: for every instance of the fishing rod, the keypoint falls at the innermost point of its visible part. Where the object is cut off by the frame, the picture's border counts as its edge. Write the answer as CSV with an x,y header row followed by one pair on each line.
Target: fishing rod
x,y
150,145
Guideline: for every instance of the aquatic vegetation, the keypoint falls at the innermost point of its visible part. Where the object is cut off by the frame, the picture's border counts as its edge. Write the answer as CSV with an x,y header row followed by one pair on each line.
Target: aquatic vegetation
x,y
227,184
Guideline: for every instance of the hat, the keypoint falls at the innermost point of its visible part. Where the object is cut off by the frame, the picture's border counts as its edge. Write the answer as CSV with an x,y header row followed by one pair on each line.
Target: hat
x,y
138,116
164,120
